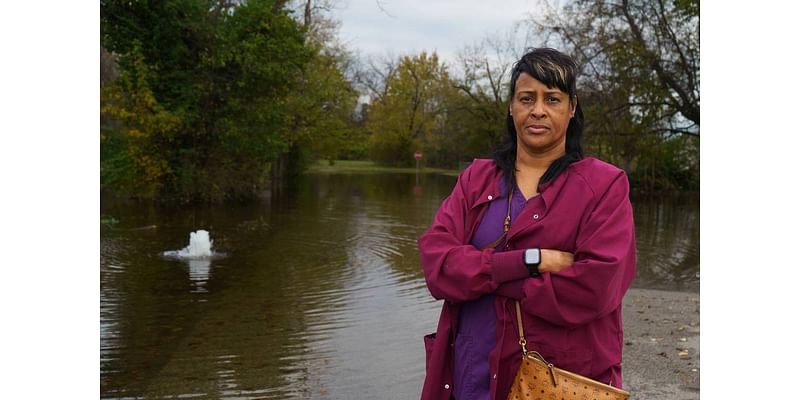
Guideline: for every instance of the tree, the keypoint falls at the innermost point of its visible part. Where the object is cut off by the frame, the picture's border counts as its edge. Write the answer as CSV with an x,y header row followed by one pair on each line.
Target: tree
x,y
220,72
640,87
652,48
322,107
483,85
412,111
373,78
139,162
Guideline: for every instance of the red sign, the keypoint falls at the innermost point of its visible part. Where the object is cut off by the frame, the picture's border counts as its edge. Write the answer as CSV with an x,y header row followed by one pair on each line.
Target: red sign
x,y
418,155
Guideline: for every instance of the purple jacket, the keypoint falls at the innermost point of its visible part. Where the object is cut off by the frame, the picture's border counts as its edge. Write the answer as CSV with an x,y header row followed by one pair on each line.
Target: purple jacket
x,y
574,317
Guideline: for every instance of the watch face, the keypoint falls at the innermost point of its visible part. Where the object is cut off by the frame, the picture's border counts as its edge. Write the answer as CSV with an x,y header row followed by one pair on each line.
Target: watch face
x,y
531,256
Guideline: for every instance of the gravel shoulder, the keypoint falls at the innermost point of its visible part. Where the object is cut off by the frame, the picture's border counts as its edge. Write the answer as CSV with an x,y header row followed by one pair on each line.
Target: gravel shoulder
x,y
661,356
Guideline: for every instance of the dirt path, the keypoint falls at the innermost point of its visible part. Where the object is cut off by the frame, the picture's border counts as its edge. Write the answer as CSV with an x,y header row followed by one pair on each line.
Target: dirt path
x,y
661,356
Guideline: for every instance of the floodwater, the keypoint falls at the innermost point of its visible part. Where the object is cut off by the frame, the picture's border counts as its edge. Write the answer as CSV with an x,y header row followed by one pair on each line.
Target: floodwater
x,y
319,294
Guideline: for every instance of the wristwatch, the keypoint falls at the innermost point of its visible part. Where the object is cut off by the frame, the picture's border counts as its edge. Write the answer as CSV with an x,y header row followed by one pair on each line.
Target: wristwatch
x,y
532,258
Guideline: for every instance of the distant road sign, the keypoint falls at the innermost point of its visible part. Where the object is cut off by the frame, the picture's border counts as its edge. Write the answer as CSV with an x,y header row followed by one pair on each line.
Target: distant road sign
x,y
417,155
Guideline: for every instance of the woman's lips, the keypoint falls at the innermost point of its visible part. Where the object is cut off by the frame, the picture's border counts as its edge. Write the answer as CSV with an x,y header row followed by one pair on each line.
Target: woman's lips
x,y
537,129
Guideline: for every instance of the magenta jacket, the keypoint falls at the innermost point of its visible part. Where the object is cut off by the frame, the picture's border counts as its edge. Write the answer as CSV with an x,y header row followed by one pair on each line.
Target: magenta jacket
x,y
574,317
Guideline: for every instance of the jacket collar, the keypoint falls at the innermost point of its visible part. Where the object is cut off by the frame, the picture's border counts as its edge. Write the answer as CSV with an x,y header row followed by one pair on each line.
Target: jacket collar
x,y
496,189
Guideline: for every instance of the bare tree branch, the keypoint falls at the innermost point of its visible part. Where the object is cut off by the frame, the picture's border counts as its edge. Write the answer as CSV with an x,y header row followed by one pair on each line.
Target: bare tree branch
x,y
689,111
383,9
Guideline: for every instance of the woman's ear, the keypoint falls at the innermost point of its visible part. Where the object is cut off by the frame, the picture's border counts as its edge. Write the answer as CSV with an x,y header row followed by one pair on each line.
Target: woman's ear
x,y
574,106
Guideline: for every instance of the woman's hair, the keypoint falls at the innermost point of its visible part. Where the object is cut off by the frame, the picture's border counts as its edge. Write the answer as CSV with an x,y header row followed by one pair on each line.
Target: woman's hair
x,y
554,69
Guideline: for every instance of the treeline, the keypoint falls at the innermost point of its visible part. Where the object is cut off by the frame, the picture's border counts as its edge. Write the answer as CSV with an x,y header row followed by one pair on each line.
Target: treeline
x,y
213,100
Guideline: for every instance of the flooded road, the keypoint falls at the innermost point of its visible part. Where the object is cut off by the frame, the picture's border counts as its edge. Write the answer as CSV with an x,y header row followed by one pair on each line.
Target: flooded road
x,y
319,294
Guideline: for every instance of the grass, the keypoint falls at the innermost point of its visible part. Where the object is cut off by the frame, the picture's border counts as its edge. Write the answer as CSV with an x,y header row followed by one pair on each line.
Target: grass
x,y
323,166
107,220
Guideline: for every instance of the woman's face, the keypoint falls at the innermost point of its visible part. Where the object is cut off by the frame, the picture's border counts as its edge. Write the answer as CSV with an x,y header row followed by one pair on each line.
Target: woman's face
x,y
541,116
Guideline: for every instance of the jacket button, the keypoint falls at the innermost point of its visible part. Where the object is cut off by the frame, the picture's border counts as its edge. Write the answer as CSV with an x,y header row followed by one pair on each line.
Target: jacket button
x,y
494,376
535,216
447,386
489,197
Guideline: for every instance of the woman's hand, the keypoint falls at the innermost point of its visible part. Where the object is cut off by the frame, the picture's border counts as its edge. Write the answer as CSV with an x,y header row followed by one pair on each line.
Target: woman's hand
x,y
555,260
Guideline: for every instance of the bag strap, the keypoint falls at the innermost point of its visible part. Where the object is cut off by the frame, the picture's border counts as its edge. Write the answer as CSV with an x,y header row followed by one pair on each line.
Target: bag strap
x,y
522,341
534,354
506,225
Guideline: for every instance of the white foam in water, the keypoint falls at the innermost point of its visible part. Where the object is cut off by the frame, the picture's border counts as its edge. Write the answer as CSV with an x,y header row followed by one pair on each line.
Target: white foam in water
x,y
199,247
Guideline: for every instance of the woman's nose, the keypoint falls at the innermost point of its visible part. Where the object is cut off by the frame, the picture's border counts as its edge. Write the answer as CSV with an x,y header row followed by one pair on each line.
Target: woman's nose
x,y
537,111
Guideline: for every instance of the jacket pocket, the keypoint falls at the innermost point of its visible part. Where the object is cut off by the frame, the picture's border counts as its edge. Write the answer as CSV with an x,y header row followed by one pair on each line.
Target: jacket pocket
x,y
578,361
429,339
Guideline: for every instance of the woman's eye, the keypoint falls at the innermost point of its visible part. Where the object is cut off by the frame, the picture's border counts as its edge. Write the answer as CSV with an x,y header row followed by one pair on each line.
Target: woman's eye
x,y
552,100
526,99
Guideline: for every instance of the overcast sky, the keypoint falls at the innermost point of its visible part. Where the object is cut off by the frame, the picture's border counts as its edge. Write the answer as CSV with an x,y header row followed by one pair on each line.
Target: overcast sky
x,y
445,26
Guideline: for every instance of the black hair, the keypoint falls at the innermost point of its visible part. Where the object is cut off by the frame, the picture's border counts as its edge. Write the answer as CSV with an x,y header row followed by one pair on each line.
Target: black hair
x,y
554,69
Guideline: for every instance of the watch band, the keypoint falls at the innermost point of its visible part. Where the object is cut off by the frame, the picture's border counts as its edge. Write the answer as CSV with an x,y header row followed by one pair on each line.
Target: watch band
x,y
533,269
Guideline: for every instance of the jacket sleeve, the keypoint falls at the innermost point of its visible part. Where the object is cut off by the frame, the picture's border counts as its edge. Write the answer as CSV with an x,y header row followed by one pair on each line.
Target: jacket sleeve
x,y
454,269
604,266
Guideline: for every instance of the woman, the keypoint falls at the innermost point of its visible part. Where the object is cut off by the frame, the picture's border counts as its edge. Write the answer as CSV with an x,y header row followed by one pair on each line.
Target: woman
x,y
568,255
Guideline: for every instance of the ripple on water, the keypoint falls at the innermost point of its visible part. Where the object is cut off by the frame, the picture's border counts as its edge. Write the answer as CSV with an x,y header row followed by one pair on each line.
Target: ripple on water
x,y
322,298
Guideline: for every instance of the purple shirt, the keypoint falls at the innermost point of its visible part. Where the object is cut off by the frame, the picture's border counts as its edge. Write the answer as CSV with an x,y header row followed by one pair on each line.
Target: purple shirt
x,y
476,335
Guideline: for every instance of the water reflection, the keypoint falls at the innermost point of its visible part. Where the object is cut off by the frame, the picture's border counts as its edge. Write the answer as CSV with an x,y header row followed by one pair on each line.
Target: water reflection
x,y
668,242
199,271
321,295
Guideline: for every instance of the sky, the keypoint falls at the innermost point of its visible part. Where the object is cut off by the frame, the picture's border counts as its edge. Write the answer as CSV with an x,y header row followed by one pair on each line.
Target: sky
x,y
445,26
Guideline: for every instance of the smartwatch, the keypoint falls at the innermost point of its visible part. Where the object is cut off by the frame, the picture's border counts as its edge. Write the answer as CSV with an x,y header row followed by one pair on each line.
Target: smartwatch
x,y
532,258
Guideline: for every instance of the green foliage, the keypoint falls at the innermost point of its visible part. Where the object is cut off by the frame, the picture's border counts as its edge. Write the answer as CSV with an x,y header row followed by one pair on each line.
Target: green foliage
x,y
667,166
172,36
687,8
322,107
108,221
211,99
412,112
137,161
202,97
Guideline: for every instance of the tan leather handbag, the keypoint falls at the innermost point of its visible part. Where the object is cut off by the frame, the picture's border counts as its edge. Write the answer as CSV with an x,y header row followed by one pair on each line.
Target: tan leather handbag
x,y
538,379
